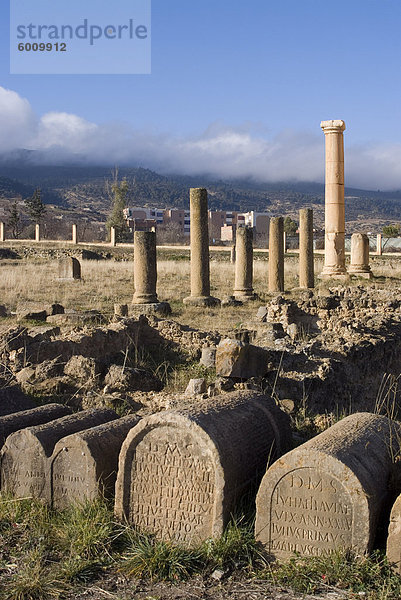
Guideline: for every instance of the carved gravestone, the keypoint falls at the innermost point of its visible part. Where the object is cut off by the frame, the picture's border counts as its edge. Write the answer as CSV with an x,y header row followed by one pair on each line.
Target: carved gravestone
x,y
28,418
26,454
69,268
182,472
84,465
13,400
328,493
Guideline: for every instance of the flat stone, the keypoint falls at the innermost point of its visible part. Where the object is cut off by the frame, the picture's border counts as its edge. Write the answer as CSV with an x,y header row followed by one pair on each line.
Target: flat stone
x,y
328,493
84,464
207,301
26,456
153,308
77,318
231,301
237,359
181,473
195,387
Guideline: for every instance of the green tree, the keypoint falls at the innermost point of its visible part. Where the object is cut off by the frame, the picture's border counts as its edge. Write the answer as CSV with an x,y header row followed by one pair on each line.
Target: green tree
x,y
118,192
14,219
290,226
35,207
390,231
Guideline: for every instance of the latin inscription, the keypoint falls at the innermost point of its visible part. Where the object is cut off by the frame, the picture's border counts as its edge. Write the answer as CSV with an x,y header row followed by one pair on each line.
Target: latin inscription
x,y
172,487
311,513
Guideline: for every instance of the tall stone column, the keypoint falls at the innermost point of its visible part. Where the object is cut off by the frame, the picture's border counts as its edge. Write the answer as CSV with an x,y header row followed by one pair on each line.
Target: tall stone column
x,y
306,266
243,285
112,236
334,247
200,270
37,232
2,232
379,244
360,256
145,274
74,234
276,254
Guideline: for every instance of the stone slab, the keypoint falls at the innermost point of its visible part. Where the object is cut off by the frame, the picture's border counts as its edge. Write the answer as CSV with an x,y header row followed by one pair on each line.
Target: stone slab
x,y
181,473
238,359
84,464
28,418
26,455
328,493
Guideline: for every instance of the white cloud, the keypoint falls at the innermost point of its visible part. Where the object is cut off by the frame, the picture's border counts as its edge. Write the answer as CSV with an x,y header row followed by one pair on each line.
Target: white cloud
x,y
221,151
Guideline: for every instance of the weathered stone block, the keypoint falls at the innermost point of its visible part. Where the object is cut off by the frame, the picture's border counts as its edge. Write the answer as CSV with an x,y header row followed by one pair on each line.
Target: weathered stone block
x,y
69,268
208,357
236,359
328,493
394,536
195,387
13,400
182,472
28,418
27,454
84,465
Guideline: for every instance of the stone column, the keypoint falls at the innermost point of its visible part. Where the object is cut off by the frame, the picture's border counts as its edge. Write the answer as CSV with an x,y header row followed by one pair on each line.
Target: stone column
x,y
379,244
112,236
334,247
306,266
145,271
360,256
243,286
285,242
232,254
276,254
74,234
37,232
200,272
2,232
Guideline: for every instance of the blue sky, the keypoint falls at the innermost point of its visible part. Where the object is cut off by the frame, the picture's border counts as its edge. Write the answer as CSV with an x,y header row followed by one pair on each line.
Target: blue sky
x,y
226,75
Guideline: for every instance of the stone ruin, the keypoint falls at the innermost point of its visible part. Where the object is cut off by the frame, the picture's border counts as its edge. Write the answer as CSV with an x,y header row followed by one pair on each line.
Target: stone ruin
x,y
84,464
181,473
69,268
26,457
329,493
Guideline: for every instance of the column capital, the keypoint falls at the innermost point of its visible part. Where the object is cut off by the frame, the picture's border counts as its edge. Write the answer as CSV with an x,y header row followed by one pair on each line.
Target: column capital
x,y
333,126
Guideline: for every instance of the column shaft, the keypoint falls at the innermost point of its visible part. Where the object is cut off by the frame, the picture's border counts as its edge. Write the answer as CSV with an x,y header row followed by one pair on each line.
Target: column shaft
x,y
306,265
145,270
243,286
276,254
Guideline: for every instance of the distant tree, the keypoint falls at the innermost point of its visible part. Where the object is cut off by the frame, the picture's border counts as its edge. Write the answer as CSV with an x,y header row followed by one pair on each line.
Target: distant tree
x,y
118,192
290,226
14,219
35,207
390,231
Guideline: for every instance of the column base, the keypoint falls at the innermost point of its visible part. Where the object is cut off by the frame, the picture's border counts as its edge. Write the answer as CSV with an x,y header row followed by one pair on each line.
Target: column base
x,y
145,299
245,296
159,308
334,273
363,272
201,301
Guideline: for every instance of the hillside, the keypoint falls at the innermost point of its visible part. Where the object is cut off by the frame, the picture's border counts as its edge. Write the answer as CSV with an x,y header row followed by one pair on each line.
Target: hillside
x,y
80,192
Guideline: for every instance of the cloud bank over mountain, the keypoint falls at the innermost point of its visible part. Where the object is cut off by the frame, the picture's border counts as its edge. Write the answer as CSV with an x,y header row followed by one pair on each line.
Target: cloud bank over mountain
x,y
221,151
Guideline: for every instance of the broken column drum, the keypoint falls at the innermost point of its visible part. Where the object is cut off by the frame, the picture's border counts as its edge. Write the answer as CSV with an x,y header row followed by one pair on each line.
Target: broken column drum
x,y
334,241
182,472
243,286
145,269
360,256
328,493
84,464
200,268
276,254
306,266
27,454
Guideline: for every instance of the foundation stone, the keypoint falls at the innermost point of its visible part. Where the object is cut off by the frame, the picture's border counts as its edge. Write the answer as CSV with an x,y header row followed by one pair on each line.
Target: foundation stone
x,y
181,473
328,493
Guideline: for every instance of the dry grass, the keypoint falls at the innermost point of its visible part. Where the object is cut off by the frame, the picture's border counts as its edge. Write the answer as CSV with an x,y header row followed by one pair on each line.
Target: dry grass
x,y
107,282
